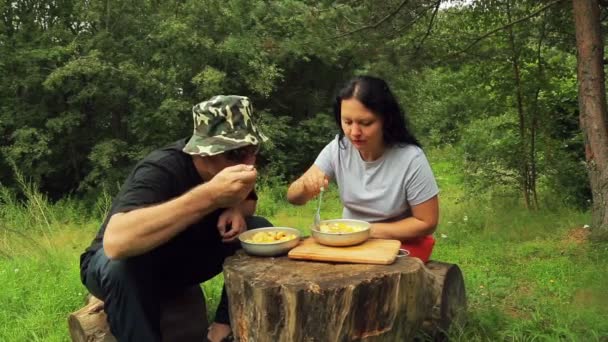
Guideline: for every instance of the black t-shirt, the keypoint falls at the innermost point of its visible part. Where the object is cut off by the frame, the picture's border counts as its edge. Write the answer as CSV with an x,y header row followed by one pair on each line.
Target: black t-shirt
x,y
164,174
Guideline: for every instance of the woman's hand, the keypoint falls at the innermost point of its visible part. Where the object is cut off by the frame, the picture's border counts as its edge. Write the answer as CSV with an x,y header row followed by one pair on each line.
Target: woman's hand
x,y
308,186
313,182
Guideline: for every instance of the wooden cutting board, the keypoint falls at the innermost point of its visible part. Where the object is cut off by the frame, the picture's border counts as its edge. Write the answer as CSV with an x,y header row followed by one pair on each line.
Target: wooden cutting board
x,y
372,251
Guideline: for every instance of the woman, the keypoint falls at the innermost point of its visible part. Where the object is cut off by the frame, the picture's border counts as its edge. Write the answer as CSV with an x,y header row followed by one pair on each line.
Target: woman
x,y
382,173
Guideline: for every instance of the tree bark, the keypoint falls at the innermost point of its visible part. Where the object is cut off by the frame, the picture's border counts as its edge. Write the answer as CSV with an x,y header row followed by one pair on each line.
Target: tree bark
x,y
281,300
524,171
592,107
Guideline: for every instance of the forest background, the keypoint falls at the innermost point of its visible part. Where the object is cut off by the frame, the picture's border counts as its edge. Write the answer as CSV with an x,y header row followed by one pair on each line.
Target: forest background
x,y
88,88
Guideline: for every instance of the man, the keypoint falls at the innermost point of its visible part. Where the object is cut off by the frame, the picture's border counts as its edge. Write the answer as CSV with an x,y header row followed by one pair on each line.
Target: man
x,y
176,219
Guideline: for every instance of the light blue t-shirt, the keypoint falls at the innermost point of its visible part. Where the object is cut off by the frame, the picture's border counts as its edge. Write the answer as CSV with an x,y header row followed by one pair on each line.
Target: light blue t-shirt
x,y
382,190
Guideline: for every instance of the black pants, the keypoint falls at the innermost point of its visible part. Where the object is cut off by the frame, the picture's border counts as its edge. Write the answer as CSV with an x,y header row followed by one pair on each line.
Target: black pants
x,y
132,289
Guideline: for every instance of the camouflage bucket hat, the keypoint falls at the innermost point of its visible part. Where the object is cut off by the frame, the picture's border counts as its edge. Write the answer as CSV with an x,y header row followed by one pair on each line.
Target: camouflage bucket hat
x,y
223,123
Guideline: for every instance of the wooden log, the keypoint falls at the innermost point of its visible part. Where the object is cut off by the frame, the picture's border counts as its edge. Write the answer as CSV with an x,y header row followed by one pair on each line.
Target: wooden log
x,y
280,299
450,305
183,319
89,324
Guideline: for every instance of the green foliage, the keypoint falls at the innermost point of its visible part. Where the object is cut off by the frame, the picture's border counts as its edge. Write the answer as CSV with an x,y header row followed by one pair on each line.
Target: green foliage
x,y
90,88
444,102
568,180
271,196
292,150
488,153
209,82
104,83
104,157
475,104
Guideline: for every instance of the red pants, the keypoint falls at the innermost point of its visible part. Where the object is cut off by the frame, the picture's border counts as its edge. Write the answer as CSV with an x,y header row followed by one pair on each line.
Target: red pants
x,y
421,247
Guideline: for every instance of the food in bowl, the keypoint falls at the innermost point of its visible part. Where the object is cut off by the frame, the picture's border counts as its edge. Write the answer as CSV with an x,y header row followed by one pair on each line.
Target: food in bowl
x,y
288,238
341,232
340,227
270,236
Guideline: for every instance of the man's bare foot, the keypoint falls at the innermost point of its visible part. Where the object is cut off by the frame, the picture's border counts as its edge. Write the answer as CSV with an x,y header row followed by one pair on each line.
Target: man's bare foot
x,y
218,331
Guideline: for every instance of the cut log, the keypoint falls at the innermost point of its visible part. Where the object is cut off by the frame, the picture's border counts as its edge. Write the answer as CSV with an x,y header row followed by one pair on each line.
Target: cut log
x,y
183,319
89,323
280,299
450,305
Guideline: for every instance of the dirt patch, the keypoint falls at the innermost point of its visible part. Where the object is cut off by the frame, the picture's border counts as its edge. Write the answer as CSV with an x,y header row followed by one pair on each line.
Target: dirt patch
x,y
591,298
516,313
522,290
578,235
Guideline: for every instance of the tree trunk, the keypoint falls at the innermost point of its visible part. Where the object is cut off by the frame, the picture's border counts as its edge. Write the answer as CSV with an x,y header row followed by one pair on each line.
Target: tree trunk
x,y
592,106
280,299
524,172
537,111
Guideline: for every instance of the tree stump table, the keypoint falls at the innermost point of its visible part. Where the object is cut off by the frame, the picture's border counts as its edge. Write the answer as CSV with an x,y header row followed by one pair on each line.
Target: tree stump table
x,y
280,299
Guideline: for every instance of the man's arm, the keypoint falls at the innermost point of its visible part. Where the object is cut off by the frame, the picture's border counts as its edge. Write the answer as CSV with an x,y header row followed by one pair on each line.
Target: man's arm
x,y
247,207
141,230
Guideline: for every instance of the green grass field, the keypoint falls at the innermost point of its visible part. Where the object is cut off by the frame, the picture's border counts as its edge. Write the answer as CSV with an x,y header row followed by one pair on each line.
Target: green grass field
x,y
530,276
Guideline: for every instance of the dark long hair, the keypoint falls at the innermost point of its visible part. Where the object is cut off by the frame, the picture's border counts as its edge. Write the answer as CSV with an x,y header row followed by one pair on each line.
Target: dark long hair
x,y
376,96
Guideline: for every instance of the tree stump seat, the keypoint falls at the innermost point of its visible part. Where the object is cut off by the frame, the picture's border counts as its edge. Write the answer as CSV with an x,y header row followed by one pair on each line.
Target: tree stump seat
x,y
183,319
281,299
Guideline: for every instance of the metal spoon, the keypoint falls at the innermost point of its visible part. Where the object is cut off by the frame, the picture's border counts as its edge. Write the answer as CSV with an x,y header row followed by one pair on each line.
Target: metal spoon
x,y
317,218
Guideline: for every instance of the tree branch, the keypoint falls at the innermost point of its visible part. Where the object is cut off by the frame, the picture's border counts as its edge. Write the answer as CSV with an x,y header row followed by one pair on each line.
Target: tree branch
x,y
367,27
428,31
487,34
395,32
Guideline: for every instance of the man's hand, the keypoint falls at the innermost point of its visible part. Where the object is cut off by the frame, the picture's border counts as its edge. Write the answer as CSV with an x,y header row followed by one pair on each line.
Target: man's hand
x,y
230,186
235,219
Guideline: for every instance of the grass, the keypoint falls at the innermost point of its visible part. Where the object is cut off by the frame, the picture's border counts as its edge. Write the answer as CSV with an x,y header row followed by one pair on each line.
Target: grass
x,y
530,276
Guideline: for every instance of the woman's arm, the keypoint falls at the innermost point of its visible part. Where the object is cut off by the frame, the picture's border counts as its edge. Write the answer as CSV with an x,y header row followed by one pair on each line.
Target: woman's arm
x,y
423,221
308,186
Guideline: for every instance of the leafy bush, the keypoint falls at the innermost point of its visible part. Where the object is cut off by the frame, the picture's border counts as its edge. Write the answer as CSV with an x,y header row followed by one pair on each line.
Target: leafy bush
x,y
292,149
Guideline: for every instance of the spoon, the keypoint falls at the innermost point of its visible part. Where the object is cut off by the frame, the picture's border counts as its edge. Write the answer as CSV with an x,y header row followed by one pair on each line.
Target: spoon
x,y
317,218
